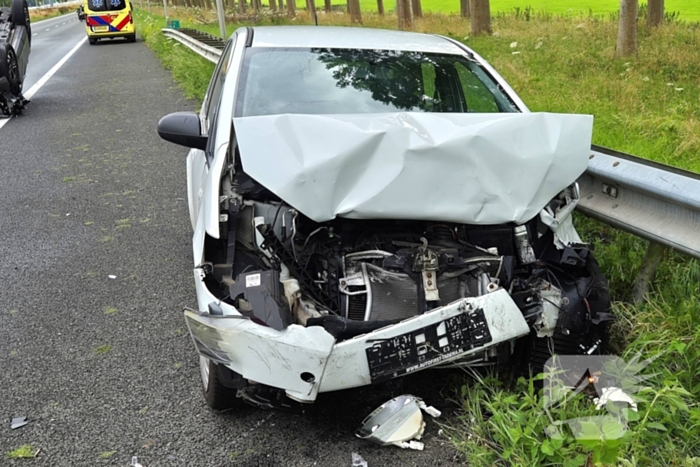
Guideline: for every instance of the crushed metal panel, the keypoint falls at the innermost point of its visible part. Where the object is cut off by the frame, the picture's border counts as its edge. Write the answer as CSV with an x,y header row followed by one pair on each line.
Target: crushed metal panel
x,y
262,354
466,168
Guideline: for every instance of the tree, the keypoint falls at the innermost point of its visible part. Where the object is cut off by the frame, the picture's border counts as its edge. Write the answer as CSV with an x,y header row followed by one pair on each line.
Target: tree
x,y
655,13
627,29
311,8
464,8
241,6
280,4
273,5
291,8
404,13
327,6
417,9
354,10
481,17
380,7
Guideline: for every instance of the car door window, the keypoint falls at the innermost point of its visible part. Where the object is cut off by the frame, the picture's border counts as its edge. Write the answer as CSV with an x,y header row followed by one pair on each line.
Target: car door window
x,y
441,89
216,86
477,95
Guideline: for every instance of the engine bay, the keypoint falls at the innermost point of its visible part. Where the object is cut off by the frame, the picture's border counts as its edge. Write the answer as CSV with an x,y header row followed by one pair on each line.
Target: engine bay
x,y
278,268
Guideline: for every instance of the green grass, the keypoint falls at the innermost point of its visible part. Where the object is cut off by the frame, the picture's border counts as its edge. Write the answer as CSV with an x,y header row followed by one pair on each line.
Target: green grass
x,y
25,451
688,9
48,13
648,105
191,71
103,349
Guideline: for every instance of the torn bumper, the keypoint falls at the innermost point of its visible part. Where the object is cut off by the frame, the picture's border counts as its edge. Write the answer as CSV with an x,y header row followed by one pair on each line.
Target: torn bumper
x,y
307,360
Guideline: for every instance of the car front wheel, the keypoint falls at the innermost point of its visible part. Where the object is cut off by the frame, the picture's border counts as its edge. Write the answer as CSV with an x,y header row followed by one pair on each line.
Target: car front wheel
x,y
217,394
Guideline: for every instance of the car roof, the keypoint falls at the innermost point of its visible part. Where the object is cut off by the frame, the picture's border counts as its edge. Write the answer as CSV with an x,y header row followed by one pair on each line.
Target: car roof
x,y
334,37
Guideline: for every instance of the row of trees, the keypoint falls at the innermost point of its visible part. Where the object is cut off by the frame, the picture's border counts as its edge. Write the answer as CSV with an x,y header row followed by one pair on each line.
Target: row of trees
x,y
627,29
478,11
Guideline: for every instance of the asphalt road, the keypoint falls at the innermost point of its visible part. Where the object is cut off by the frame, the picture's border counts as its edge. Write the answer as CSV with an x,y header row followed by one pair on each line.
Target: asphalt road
x,y
51,40
96,269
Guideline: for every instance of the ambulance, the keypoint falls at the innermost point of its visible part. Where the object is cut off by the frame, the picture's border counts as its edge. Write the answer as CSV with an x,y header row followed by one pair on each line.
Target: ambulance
x,y
106,19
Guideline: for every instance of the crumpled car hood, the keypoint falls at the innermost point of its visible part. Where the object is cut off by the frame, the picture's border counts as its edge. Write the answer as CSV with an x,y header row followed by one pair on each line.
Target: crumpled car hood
x,y
465,168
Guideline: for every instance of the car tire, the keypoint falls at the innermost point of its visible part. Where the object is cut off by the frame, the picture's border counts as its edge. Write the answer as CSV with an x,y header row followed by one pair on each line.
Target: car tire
x,y
216,394
19,16
131,38
9,68
92,41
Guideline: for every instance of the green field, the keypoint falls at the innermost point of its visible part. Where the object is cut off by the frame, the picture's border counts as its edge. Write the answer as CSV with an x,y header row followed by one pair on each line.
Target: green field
x,y
688,9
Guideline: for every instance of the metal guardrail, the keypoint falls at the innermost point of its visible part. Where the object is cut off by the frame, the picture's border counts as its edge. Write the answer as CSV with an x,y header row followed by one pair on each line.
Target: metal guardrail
x,y
203,44
653,201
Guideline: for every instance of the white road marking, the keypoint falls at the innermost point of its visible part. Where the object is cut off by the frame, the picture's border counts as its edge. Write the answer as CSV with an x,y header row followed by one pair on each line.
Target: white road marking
x,y
35,34
33,90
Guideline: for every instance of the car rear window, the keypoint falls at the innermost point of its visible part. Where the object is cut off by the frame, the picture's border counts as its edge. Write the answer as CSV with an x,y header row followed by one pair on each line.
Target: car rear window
x,y
349,81
106,5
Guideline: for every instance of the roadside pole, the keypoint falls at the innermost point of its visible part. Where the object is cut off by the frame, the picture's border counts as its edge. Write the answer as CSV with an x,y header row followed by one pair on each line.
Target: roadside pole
x,y
165,7
222,19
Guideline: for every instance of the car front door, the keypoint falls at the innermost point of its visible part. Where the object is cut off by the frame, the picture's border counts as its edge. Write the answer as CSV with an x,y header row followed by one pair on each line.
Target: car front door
x,y
198,161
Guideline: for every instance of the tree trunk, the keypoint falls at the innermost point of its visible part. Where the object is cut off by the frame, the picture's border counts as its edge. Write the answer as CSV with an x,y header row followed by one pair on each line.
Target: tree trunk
x,y
481,17
380,7
655,13
417,9
404,13
354,10
242,6
231,4
256,5
464,8
627,30
273,5
291,8
327,6
280,4
311,8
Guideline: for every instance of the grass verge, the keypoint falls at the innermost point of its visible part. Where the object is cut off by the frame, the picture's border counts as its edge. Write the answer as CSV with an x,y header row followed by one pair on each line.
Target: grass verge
x,y
191,71
648,105
48,13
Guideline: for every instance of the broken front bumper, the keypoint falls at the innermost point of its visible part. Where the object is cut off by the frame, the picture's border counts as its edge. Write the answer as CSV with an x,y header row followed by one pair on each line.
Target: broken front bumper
x,y
307,360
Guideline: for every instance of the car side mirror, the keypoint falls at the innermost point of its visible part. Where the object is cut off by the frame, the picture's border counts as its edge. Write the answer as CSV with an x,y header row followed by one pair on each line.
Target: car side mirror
x,y
182,128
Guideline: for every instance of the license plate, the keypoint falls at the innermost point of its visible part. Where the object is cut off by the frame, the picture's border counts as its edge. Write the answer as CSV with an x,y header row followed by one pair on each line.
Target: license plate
x,y
100,28
428,346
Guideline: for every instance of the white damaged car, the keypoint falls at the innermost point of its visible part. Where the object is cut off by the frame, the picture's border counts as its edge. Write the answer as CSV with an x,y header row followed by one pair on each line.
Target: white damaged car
x,y
368,204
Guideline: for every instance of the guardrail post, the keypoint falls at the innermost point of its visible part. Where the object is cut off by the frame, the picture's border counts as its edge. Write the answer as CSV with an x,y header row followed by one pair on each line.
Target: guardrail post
x,y
650,263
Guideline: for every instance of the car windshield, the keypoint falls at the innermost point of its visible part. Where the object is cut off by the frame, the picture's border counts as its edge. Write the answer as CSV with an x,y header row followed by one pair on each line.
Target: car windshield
x,y
348,81
106,5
